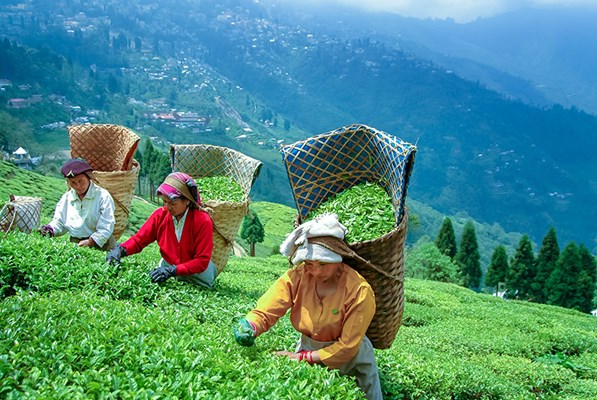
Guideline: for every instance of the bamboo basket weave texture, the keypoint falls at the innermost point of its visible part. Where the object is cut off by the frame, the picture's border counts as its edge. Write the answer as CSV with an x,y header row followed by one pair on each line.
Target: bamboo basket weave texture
x,y
109,150
121,185
202,160
106,147
20,213
327,164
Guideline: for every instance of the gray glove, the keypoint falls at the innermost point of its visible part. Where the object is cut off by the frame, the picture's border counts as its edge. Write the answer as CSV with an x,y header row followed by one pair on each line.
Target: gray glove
x,y
116,254
160,274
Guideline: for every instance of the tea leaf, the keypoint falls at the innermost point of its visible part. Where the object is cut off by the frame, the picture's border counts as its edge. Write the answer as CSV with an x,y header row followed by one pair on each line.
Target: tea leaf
x,y
365,209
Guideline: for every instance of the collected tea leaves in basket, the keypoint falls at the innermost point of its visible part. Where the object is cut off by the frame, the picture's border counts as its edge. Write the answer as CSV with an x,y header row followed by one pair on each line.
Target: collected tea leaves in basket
x,y
365,209
220,188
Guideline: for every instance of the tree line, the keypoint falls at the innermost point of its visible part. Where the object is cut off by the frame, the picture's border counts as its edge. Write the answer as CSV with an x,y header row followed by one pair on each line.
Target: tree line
x,y
565,278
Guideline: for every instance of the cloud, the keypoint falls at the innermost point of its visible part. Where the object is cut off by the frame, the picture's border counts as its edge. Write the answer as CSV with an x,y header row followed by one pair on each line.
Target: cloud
x,y
459,10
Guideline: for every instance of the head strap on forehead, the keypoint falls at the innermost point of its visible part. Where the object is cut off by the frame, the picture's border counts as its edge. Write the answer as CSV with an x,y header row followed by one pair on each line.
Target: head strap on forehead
x,y
182,188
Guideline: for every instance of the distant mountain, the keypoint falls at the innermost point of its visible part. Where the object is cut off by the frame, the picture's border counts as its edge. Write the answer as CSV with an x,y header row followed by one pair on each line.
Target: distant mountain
x,y
497,160
540,56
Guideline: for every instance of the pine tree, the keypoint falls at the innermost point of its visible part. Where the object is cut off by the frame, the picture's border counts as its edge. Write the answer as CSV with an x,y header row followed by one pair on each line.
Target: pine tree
x,y
145,157
252,231
546,263
498,268
155,166
159,170
521,273
587,279
562,283
446,239
467,257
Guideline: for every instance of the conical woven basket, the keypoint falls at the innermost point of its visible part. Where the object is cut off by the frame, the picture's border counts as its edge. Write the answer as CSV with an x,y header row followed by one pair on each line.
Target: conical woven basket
x,y
20,213
327,164
202,160
121,185
105,147
109,150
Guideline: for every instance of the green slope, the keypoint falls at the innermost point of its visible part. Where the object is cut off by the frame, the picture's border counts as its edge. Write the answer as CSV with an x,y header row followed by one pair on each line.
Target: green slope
x,y
20,182
74,327
277,219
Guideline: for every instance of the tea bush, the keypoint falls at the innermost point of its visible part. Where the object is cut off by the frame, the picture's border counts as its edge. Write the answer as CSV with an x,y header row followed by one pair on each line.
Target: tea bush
x,y
80,328
220,188
81,345
73,327
365,209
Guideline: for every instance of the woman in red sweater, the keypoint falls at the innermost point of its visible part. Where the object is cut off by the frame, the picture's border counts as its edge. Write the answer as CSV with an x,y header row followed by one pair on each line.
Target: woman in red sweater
x,y
184,233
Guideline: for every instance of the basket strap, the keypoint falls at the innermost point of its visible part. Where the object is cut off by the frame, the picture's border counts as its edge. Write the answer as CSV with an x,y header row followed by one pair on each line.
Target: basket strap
x,y
339,246
182,188
209,212
124,208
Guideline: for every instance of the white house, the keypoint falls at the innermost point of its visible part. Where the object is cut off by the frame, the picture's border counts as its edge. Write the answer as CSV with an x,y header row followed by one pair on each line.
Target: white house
x,y
21,158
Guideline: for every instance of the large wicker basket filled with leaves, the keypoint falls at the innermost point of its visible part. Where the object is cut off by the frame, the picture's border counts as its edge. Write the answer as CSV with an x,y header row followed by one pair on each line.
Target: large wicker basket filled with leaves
x,y
109,150
203,161
20,213
325,165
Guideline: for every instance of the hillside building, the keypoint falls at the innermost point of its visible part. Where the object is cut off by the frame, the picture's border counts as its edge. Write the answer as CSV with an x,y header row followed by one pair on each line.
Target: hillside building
x,y
18,103
21,158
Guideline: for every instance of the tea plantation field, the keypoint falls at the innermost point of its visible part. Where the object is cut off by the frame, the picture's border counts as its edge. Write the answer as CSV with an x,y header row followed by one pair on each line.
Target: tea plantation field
x,y
20,182
73,327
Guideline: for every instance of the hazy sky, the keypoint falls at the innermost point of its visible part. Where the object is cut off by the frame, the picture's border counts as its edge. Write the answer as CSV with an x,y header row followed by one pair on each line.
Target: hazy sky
x,y
459,10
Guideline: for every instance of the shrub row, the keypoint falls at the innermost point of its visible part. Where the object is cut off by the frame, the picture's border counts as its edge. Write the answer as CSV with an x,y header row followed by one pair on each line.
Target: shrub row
x,y
74,327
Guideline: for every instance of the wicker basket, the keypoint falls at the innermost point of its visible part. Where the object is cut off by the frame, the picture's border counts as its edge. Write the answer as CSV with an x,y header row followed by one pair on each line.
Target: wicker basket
x,y
327,164
105,147
20,213
109,150
201,160
121,185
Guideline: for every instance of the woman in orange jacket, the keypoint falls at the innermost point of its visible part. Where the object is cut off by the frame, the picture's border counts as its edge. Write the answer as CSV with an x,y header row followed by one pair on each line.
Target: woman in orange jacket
x,y
331,305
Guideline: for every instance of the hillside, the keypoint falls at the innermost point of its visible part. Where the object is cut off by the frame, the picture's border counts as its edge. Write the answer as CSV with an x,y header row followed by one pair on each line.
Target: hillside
x,y
20,182
74,327
277,219
496,52
541,54
261,80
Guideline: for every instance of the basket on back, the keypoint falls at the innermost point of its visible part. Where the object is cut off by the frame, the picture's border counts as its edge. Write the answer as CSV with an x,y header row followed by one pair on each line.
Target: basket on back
x,y
20,213
202,160
325,165
109,150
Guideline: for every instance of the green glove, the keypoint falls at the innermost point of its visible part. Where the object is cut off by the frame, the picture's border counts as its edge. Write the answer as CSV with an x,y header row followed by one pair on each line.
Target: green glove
x,y
244,333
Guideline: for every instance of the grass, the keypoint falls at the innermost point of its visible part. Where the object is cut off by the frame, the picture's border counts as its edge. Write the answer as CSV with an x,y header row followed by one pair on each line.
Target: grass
x,y
74,327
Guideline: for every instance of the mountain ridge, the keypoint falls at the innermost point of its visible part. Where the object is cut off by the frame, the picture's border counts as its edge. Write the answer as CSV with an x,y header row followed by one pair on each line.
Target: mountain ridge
x,y
499,161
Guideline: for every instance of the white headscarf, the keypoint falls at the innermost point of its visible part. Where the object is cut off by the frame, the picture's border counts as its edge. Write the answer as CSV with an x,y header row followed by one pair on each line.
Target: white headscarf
x,y
297,243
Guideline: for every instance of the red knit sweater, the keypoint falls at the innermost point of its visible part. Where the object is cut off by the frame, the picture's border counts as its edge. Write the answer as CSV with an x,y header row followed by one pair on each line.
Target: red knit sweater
x,y
191,255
